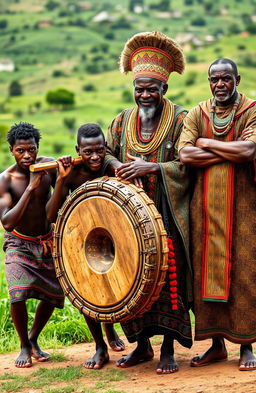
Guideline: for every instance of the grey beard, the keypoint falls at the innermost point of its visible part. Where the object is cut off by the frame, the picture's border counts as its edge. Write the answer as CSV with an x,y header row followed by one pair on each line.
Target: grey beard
x,y
147,113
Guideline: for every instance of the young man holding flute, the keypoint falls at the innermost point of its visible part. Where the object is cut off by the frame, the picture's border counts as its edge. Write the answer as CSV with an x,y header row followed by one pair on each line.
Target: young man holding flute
x,y
29,266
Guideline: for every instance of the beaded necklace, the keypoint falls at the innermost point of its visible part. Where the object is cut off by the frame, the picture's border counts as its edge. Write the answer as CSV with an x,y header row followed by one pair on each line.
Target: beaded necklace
x,y
133,134
220,126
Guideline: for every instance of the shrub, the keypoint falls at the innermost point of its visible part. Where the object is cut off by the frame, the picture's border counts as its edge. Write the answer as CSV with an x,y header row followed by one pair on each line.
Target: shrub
x,y
89,87
60,97
15,89
109,36
251,28
199,21
191,78
192,58
127,96
69,123
57,147
57,73
3,23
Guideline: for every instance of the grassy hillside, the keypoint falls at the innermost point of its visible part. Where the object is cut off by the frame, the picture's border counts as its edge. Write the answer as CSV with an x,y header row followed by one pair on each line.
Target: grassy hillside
x,y
74,52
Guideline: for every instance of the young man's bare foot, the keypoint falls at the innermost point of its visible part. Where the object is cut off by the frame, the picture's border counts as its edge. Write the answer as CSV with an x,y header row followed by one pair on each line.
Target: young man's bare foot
x,y
114,341
98,360
37,353
247,361
24,359
139,355
216,353
167,365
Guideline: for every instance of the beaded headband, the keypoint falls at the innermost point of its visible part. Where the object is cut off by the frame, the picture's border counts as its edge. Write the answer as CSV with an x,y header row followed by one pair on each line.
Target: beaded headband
x,y
151,62
153,55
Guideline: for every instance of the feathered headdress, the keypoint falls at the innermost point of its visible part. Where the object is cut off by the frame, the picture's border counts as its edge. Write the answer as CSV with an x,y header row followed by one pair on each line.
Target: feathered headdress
x,y
152,54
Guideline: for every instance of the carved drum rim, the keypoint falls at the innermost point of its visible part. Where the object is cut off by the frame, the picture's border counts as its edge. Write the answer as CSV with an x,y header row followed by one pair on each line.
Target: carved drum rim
x,y
151,239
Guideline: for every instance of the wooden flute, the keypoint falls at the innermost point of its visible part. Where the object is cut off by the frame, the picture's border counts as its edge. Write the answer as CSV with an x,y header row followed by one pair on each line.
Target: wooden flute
x,y
42,166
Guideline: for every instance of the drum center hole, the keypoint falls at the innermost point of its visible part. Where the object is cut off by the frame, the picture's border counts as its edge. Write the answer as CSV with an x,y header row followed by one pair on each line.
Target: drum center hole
x,y
99,250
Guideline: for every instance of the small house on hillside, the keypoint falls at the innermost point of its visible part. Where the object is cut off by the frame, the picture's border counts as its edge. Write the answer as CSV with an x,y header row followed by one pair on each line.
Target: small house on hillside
x,y
103,17
7,65
188,41
85,5
44,23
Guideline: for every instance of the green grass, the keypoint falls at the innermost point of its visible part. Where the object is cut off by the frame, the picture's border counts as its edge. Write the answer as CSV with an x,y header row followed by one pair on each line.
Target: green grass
x,y
64,375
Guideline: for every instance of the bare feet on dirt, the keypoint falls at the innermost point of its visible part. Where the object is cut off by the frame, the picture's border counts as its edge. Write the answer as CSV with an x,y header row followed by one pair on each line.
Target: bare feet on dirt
x,y
98,360
167,365
139,355
38,354
115,343
216,353
24,359
247,361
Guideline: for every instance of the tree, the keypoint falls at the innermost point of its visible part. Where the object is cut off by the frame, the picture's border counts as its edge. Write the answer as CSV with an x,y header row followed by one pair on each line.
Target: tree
x,y
61,98
3,133
51,5
3,23
69,123
134,3
164,5
15,89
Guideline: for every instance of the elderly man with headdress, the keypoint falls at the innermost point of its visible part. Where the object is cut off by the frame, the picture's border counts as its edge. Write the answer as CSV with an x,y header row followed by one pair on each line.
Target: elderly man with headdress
x,y
219,141
142,148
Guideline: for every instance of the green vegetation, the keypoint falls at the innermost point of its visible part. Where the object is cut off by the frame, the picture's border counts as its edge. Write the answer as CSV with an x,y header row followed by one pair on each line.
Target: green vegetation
x,y
57,46
75,379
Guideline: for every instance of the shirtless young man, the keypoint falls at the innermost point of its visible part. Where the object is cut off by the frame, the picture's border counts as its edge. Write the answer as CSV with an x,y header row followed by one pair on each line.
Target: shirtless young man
x,y
29,266
91,147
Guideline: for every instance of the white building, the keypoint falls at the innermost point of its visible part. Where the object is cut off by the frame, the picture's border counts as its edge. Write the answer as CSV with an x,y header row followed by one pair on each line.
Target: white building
x,y
7,65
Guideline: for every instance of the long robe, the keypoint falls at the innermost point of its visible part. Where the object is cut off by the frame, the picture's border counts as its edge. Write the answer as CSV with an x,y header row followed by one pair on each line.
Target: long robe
x,y
234,319
170,193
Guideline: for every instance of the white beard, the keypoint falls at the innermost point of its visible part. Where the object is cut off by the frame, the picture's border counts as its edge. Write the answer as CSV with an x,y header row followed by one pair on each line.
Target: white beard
x,y
147,113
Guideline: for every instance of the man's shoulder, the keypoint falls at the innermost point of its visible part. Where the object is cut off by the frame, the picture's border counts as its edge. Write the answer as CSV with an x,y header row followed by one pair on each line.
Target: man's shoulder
x,y
124,112
203,106
6,178
6,174
44,159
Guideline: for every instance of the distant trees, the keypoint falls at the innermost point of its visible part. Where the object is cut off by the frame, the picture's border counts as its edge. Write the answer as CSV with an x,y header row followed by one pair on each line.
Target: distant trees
x,y
60,97
15,89
3,23
70,123
162,5
127,96
3,132
134,3
51,5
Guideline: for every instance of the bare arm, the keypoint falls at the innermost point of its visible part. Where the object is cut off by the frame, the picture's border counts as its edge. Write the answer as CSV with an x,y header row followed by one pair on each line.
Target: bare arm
x,y
61,189
198,157
10,213
234,151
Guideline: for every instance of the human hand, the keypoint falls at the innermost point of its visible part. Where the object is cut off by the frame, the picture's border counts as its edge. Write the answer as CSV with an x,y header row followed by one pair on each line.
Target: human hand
x,y
65,165
35,179
246,133
135,169
202,143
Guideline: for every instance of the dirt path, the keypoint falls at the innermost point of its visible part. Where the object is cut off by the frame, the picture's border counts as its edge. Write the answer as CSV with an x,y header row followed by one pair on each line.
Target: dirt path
x,y
221,377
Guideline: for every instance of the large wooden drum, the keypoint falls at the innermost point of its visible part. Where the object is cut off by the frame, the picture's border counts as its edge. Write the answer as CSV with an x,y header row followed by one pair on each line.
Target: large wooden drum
x,y
110,250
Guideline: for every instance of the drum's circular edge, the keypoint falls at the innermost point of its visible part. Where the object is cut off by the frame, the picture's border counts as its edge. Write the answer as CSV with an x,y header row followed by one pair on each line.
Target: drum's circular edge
x,y
128,308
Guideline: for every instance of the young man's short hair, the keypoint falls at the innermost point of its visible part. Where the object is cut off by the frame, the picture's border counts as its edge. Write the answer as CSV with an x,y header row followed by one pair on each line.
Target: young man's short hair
x,y
89,130
24,131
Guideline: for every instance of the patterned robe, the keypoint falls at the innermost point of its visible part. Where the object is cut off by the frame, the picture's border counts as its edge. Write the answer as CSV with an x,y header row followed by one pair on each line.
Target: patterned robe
x,y
234,319
170,194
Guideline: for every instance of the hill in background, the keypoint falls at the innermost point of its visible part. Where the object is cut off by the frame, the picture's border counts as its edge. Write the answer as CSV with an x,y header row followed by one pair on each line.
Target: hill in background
x,y
75,45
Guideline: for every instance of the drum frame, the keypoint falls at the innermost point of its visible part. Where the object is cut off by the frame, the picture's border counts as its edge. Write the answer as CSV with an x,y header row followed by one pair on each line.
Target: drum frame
x,y
151,238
